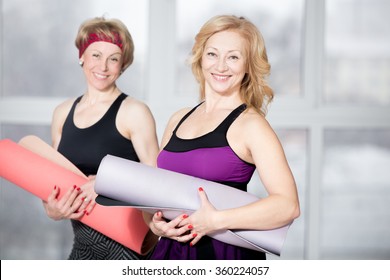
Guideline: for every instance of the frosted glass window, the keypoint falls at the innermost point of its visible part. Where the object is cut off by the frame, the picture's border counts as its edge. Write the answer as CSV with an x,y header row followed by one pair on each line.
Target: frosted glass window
x,y
357,49
355,208
39,56
279,21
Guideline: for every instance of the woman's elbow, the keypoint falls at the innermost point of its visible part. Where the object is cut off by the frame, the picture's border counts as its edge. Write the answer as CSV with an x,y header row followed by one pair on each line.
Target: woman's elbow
x,y
295,211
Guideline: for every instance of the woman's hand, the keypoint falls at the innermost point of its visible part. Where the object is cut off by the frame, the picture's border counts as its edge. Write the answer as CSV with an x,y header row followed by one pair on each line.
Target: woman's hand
x,y
185,228
88,196
66,207
177,229
76,202
203,220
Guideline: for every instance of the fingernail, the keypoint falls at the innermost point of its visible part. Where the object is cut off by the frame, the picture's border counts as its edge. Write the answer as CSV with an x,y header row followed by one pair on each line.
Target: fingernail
x,y
55,187
74,186
86,213
78,189
185,216
83,199
190,227
201,189
191,244
194,235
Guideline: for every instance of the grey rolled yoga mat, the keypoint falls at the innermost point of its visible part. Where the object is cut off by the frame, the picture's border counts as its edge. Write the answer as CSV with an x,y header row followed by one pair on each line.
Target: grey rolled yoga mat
x,y
122,182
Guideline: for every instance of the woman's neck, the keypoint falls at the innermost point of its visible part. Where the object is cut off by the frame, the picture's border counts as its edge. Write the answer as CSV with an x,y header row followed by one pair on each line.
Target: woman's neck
x,y
92,97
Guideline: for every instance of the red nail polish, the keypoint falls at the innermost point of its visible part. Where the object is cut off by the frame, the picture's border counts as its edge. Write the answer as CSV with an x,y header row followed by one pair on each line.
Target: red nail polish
x,y
74,186
201,189
191,244
185,216
86,213
78,189
190,227
194,235
55,187
83,199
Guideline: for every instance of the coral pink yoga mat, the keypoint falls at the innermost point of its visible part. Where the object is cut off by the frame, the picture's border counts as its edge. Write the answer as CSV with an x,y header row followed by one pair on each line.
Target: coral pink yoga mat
x,y
121,182
36,167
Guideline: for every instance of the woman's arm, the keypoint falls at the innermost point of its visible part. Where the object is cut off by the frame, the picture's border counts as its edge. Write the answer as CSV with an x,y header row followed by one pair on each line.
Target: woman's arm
x,y
254,141
67,207
137,123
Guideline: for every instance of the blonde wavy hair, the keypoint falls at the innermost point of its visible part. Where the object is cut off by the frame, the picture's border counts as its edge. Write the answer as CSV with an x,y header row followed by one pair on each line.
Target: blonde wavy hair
x,y
255,91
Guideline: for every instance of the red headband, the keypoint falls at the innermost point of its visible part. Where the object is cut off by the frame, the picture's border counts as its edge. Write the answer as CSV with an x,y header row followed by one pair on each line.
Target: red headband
x,y
93,37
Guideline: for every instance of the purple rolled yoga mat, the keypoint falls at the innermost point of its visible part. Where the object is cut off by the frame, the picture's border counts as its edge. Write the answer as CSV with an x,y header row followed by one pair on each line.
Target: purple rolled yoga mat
x,y
121,182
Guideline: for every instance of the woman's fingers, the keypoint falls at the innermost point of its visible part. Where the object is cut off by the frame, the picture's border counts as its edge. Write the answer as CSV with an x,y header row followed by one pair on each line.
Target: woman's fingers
x,y
69,197
89,207
157,217
54,194
71,203
88,196
195,238
171,229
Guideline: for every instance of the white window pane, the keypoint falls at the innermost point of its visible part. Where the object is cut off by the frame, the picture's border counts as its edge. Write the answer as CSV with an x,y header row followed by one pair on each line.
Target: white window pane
x,y
279,21
355,208
39,55
357,66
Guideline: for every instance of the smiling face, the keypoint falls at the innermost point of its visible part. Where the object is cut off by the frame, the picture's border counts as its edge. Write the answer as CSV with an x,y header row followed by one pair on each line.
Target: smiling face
x,y
223,63
102,65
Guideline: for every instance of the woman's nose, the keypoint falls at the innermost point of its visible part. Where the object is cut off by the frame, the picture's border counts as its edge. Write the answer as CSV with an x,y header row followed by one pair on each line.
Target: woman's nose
x,y
103,65
222,66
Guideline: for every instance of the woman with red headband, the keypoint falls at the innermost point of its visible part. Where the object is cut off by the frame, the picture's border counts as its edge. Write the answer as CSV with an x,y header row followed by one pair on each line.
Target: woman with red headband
x,y
103,120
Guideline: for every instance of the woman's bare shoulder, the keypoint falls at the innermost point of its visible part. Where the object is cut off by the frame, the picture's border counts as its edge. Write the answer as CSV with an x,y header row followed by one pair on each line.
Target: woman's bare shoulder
x,y
253,120
135,107
64,107
178,115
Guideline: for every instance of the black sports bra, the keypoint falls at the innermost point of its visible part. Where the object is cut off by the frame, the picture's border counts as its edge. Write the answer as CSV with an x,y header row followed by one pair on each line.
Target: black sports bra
x,y
86,147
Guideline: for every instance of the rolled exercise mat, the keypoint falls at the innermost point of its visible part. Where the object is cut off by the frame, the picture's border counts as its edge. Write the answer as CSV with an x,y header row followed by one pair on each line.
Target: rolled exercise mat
x,y
34,171
121,182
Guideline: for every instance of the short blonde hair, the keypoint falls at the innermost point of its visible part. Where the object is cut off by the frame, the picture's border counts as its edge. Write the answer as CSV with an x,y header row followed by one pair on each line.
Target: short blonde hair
x,y
107,28
255,91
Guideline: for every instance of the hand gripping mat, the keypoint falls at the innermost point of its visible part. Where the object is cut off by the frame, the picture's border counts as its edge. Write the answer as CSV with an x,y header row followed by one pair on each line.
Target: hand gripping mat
x,y
121,182
36,167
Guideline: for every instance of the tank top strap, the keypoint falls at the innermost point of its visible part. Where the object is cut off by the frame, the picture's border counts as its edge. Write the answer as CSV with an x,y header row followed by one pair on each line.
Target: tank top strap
x,y
109,115
114,108
69,118
185,117
224,126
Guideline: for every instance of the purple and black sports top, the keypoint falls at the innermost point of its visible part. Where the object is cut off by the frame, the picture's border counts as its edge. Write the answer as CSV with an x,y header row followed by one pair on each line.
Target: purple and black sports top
x,y
208,157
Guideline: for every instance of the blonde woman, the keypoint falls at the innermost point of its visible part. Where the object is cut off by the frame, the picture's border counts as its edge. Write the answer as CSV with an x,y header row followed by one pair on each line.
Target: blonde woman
x,y
225,138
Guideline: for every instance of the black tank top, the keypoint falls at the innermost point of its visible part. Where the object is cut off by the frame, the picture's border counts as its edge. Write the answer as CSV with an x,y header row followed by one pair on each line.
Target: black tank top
x,y
86,147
